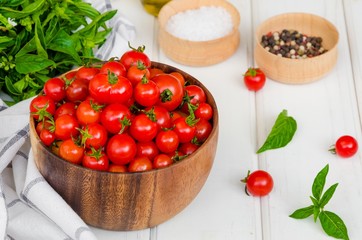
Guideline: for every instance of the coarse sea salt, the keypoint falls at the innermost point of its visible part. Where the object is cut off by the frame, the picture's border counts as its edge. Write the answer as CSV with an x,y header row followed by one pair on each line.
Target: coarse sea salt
x,y
201,24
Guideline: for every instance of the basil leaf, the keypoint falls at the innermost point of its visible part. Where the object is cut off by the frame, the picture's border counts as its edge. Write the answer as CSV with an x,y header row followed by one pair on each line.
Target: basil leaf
x,y
10,86
319,182
302,212
281,133
16,14
333,225
327,195
316,212
30,63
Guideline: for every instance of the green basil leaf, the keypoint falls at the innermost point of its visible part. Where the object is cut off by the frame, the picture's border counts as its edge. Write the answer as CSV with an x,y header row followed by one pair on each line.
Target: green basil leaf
x,y
281,133
20,85
98,21
30,63
327,195
316,212
319,182
86,9
65,43
27,48
302,212
39,38
30,9
10,87
333,225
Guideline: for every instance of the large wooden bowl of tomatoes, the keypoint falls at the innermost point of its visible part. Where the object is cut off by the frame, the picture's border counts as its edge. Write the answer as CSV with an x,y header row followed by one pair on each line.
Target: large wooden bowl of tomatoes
x,y
127,143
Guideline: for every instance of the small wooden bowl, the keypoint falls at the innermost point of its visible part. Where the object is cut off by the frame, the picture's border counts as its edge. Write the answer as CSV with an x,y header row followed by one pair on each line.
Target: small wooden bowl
x,y
129,201
297,71
197,53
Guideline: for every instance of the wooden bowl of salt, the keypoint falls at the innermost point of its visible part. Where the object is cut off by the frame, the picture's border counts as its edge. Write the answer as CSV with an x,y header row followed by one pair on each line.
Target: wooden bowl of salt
x,y
297,71
199,33
130,201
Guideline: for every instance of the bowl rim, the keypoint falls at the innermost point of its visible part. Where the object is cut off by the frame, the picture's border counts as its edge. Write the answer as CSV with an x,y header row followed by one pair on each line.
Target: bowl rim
x,y
329,51
215,119
234,30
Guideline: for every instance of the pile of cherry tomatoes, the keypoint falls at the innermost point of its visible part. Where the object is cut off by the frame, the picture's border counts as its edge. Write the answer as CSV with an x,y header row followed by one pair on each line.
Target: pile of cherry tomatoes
x,y
122,115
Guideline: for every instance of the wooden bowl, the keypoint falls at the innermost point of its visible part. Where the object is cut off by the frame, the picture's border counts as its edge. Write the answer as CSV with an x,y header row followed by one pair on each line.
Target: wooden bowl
x,y
197,53
129,201
297,71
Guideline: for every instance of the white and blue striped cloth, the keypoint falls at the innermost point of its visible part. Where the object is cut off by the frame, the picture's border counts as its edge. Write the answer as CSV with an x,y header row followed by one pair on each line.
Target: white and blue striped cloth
x,y
29,208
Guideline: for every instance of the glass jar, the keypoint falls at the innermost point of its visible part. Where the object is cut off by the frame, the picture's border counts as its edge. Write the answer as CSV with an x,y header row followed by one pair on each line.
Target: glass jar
x,y
153,6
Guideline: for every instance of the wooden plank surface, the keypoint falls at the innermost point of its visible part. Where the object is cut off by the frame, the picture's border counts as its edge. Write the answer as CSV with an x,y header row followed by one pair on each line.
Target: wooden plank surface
x,y
324,110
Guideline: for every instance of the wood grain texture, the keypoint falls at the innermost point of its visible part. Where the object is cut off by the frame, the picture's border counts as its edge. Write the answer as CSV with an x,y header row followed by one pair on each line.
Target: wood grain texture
x,y
297,71
129,201
197,53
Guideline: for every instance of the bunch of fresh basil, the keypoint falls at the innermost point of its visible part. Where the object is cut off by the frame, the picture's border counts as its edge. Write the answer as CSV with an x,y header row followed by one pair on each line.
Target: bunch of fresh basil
x,y
40,39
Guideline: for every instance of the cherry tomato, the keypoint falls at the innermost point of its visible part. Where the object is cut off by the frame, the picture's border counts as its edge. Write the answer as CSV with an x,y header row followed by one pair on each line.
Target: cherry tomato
x,y
115,118
136,72
171,91
259,183
94,135
132,57
42,107
95,159
121,149
154,72
71,152
88,112
66,127
346,146
161,161
47,137
146,93
203,130
254,79
110,88
86,73
167,141
196,94
140,164
188,148
117,168
147,149
42,125
204,110
69,108
163,117
77,91
114,67
184,130
179,77
55,89
143,128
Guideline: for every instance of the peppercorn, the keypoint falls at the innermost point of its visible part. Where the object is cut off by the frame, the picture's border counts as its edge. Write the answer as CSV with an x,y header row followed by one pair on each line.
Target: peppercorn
x,y
292,44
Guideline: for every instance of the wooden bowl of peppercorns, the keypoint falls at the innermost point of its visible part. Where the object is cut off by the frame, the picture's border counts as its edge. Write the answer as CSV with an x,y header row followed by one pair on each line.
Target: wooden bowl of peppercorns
x,y
296,48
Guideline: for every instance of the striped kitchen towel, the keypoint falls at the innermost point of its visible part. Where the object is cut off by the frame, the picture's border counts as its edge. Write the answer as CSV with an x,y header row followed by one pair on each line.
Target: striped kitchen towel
x,y
29,208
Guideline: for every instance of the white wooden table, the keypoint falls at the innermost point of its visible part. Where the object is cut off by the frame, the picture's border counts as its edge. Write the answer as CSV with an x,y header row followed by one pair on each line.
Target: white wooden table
x,y
324,110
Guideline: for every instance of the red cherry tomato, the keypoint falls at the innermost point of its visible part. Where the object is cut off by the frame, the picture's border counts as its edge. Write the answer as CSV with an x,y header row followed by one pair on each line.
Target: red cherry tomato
x,y
346,146
204,110
69,108
47,137
167,141
163,117
42,107
171,91
203,130
259,183
162,161
66,127
86,73
154,72
179,77
146,93
143,128
95,159
88,112
196,94
71,152
110,88
132,57
184,130
117,168
136,72
115,118
77,91
114,67
140,164
94,135
55,89
254,79
188,148
121,149
147,149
